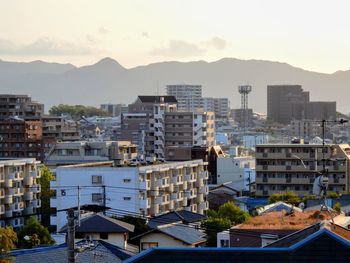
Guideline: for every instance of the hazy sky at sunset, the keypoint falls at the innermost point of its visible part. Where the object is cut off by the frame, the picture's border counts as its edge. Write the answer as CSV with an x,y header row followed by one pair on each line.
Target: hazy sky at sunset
x,y
311,34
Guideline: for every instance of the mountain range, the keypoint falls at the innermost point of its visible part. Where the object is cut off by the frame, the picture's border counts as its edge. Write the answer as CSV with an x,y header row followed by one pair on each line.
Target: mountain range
x,y
109,82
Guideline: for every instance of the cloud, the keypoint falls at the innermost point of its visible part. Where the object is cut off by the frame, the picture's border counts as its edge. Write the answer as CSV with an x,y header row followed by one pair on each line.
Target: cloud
x,y
216,42
45,46
179,49
103,30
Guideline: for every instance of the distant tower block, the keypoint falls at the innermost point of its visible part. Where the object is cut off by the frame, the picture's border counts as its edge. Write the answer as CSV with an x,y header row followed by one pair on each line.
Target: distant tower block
x,y
244,91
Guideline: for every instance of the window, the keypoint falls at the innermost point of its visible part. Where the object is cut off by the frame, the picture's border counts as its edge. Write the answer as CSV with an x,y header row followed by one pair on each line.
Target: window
x,y
127,198
147,245
96,179
224,243
103,235
96,197
127,180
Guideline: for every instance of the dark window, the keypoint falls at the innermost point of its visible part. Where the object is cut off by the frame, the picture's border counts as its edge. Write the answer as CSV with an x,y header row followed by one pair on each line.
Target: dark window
x,y
103,235
79,235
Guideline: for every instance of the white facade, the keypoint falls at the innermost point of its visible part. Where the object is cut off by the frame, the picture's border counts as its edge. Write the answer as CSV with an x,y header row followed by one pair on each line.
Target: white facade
x,y
19,190
145,190
223,239
189,97
238,170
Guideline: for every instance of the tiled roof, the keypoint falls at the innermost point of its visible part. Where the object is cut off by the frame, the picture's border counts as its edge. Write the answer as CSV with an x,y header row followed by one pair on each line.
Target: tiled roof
x,y
186,234
100,252
99,223
278,206
176,216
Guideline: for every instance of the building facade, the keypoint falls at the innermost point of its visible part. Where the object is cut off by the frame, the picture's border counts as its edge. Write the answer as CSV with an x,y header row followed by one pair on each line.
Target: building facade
x,y
294,167
114,109
289,102
19,191
21,106
145,190
189,97
220,106
69,153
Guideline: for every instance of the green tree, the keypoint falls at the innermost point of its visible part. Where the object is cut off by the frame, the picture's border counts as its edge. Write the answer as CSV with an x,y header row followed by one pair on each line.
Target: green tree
x,y
337,207
214,226
227,216
333,195
77,111
40,233
8,240
46,194
287,197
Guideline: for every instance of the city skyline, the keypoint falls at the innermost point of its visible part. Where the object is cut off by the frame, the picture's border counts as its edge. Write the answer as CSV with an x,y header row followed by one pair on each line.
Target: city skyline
x,y
138,33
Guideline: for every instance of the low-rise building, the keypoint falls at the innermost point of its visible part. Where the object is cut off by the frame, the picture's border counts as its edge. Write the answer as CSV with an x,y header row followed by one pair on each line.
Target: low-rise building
x,y
68,153
19,191
148,190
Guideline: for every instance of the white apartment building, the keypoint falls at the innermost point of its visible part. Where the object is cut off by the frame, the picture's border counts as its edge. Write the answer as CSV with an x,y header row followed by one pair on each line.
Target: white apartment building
x,y
19,190
148,190
238,170
189,97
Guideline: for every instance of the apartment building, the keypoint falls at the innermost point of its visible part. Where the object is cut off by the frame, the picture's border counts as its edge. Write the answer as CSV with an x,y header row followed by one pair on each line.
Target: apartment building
x,y
21,138
19,190
305,129
293,167
69,153
59,128
21,106
114,109
148,190
189,129
220,106
189,97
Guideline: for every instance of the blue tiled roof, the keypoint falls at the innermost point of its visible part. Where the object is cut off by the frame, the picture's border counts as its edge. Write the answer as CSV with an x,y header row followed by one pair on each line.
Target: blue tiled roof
x,y
186,234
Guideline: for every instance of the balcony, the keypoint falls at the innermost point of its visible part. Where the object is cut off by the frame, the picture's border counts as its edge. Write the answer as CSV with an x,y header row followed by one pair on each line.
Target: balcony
x,y
171,187
36,188
155,209
184,201
8,213
28,180
2,178
204,175
200,198
8,183
185,185
199,182
145,185
8,199
37,203
145,203
2,193
18,176
35,174
18,207
158,200
18,191
28,196
2,209
171,205
203,206
155,191
28,210
204,190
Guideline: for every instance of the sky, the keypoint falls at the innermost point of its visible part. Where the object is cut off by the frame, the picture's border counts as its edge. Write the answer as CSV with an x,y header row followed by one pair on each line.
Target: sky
x,y
314,35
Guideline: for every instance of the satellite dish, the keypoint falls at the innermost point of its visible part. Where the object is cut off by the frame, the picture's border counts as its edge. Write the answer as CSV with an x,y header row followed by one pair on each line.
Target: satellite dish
x,y
320,186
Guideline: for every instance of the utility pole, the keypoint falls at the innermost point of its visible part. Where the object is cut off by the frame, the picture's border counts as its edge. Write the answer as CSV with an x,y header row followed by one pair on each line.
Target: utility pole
x,y
78,205
104,198
70,236
249,183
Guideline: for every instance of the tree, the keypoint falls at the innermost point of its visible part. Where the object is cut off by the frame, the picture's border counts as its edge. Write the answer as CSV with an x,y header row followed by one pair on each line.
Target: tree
x,y
214,226
36,234
76,111
287,197
8,240
227,216
46,194
333,195
337,207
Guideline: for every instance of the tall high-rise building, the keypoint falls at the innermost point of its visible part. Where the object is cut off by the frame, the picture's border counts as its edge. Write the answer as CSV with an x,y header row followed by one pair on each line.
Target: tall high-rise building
x,y
289,102
189,97
220,106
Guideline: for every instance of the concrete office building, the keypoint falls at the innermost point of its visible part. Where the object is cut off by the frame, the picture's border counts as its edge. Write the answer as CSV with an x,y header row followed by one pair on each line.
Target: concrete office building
x,y
148,190
293,167
69,153
289,102
58,128
19,191
189,97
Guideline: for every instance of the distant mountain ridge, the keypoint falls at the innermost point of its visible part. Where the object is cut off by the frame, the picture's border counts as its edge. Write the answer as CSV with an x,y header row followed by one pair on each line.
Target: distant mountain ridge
x,y
108,81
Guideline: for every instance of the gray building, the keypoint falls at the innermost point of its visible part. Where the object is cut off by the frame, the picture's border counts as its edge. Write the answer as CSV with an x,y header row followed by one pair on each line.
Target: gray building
x,y
289,102
220,106
189,97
